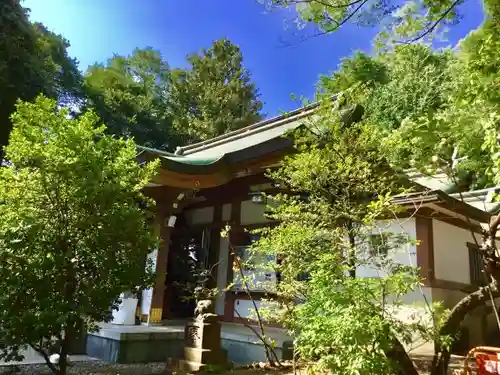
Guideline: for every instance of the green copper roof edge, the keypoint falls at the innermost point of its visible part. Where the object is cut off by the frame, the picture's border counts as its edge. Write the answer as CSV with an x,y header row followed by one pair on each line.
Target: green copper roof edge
x,y
183,164
192,168
194,161
241,136
191,160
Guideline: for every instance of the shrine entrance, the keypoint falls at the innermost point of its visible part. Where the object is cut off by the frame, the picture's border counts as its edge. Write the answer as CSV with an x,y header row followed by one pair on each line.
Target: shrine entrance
x,y
188,255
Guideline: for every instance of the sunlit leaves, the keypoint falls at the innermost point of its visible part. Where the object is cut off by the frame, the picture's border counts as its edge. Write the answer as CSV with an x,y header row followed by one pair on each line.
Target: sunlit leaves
x,y
73,235
130,94
215,94
401,21
339,187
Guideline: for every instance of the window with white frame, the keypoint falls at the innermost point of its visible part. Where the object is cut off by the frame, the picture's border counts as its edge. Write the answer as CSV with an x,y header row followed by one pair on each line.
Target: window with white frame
x,y
254,268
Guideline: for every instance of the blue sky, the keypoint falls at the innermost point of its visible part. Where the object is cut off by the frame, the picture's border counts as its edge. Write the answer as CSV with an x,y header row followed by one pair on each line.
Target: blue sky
x,y
97,29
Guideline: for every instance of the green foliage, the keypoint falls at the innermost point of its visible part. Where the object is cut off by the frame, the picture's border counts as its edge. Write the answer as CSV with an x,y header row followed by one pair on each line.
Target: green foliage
x,y
215,94
61,78
336,162
410,20
33,60
136,96
74,233
407,82
426,109
130,94
338,188
431,109
360,69
139,96
460,137
345,322
416,85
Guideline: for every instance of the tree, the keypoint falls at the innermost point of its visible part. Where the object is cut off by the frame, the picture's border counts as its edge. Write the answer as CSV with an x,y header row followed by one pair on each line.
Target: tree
x,y
131,95
61,78
337,186
437,111
138,96
73,232
459,137
405,82
410,20
33,60
462,140
215,94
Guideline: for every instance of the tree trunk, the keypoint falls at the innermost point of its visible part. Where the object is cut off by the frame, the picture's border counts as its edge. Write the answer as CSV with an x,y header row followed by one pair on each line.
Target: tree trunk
x,y
63,363
63,352
351,255
404,363
456,317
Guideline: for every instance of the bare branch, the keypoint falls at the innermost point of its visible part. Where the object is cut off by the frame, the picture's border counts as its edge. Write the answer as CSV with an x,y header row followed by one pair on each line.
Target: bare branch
x,y
433,26
325,4
339,24
429,28
262,336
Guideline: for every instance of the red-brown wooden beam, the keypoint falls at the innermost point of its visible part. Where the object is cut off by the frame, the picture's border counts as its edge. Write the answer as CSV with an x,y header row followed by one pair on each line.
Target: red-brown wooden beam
x,y
165,197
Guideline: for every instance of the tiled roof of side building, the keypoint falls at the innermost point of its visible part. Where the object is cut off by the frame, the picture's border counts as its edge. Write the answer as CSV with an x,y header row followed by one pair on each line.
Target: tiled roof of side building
x,y
484,199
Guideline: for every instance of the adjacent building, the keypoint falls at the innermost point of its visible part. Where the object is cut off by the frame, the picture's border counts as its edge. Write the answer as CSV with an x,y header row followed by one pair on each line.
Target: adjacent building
x,y
204,187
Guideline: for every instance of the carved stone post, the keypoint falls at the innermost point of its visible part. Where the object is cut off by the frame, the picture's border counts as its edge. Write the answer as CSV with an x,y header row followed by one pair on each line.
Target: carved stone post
x,y
202,340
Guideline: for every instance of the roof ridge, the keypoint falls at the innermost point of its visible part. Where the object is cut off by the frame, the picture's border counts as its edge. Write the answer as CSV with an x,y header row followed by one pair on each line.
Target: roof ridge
x,y
261,125
250,132
155,150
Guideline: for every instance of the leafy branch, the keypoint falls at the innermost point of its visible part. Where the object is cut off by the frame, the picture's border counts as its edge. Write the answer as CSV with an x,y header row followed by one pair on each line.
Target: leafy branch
x,y
238,266
432,26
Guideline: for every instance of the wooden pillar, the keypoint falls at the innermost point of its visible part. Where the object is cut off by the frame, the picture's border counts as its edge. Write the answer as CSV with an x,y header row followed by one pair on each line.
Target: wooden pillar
x,y
164,198
156,309
235,236
425,249
214,248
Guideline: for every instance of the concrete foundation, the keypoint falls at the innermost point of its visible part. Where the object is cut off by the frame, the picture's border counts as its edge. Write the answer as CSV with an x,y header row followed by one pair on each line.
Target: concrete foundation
x,y
243,346
135,344
142,344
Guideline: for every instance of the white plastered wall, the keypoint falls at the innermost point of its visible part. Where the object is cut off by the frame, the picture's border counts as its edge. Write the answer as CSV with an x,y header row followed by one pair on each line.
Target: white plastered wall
x,y
414,306
199,216
451,263
253,213
451,255
406,254
244,308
